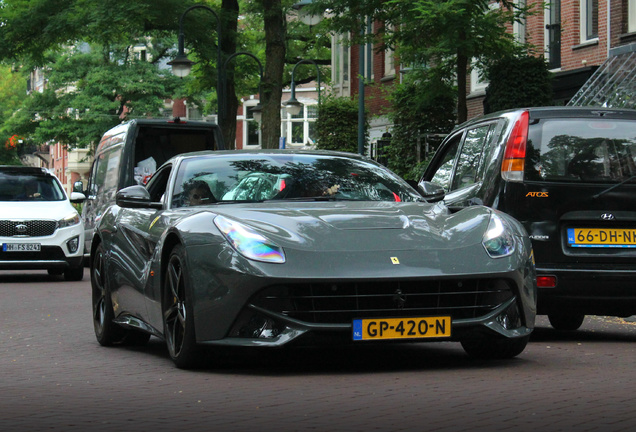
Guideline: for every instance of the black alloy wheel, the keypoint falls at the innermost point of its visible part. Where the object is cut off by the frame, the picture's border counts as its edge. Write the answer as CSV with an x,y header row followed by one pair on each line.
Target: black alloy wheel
x,y
495,347
567,321
177,313
106,331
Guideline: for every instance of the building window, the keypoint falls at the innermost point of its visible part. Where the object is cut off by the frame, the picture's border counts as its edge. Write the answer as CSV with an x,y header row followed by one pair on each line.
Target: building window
x,y
340,70
553,34
251,135
389,57
299,130
519,28
631,16
589,20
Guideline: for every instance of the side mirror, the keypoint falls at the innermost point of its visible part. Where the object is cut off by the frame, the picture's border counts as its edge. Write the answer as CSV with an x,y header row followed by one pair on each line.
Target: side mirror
x,y
430,191
78,186
77,197
135,196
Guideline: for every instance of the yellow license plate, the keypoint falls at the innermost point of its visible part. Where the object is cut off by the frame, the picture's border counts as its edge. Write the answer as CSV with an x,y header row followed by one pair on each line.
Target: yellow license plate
x,y
602,237
401,328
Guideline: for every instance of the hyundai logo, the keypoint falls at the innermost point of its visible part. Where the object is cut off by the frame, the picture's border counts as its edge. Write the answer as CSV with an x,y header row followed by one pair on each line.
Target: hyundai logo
x,y
607,216
21,228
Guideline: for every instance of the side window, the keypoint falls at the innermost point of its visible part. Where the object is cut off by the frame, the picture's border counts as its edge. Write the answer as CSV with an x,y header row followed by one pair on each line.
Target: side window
x,y
158,183
444,171
106,172
467,171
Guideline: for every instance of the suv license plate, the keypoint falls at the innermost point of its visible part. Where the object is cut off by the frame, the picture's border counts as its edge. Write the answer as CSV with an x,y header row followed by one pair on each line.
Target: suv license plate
x,y
402,328
21,247
607,238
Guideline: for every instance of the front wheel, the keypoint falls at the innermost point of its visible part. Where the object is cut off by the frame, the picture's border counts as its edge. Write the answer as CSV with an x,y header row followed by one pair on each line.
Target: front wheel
x,y
568,321
106,331
178,320
74,274
495,347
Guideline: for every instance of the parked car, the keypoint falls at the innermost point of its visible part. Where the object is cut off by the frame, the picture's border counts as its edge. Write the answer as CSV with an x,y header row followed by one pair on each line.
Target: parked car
x,y
568,175
339,246
39,228
130,153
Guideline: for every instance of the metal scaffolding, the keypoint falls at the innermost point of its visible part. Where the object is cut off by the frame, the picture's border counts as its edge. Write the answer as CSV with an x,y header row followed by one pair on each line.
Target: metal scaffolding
x,y
613,85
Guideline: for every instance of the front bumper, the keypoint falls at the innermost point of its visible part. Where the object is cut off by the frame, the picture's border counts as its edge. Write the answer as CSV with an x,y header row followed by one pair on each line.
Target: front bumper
x,y
55,251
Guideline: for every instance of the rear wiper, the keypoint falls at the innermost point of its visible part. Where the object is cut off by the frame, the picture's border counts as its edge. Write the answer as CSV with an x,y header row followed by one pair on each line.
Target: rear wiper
x,y
611,188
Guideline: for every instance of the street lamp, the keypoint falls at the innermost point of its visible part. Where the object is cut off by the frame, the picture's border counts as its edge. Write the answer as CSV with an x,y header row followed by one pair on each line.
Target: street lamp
x,y
181,65
292,105
306,17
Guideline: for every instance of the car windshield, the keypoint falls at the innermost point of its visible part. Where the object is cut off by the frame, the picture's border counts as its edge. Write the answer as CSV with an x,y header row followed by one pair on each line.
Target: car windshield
x,y
28,187
291,176
584,150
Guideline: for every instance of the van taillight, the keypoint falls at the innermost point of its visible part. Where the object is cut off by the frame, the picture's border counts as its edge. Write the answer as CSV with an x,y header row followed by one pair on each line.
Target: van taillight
x,y
515,153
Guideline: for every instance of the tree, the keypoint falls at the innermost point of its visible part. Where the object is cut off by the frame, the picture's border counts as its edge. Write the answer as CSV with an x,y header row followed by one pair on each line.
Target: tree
x,y
518,82
443,34
337,125
88,94
422,108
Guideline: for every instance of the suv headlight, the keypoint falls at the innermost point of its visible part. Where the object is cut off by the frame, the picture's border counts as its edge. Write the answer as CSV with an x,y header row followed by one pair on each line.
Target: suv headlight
x,y
248,242
498,240
70,220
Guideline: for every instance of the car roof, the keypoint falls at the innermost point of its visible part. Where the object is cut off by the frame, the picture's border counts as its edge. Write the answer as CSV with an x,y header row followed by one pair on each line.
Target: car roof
x,y
558,112
19,169
263,152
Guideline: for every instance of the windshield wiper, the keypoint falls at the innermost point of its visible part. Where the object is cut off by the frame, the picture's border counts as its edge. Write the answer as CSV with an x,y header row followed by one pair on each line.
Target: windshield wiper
x,y
611,188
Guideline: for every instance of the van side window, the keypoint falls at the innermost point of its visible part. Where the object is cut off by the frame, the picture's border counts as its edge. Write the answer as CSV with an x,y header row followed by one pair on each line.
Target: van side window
x,y
106,171
467,171
444,172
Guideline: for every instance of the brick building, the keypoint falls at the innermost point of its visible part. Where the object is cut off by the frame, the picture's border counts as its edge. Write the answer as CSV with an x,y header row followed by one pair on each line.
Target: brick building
x,y
576,37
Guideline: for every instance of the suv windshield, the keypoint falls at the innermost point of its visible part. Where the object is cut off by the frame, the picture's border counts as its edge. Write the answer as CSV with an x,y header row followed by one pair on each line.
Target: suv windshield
x,y
581,150
205,180
29,187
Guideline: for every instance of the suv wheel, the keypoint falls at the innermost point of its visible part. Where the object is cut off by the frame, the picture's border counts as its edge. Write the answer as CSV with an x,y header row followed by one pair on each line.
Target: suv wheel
x,y
569,321
74,274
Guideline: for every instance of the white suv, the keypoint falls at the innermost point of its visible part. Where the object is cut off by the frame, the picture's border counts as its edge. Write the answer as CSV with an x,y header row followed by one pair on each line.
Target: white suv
x,y
39,228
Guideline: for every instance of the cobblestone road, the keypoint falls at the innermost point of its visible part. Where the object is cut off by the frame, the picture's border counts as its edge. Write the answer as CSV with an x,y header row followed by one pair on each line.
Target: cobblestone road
x,y
55,377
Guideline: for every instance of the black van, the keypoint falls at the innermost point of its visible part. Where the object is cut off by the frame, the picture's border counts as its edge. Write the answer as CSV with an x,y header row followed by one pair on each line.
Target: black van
x,y
569,175
129,154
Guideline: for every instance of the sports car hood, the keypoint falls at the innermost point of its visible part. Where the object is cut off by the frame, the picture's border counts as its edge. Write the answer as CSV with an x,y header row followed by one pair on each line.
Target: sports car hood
x,y
368,226
49,210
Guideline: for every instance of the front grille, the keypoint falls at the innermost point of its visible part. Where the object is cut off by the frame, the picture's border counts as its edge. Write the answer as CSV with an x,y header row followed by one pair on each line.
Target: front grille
x,y
335,303
34,228
47,253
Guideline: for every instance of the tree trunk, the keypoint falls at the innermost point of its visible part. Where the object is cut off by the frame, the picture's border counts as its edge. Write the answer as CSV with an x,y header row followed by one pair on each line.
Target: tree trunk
x,y
462,72
229,18
272,87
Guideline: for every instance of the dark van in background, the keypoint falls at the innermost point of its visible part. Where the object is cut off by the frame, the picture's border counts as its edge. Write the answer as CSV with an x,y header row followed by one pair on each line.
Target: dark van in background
x,y
569,176
129,154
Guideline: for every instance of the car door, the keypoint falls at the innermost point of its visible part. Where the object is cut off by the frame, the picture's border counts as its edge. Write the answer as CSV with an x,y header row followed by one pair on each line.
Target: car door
x,y
133,247
459,166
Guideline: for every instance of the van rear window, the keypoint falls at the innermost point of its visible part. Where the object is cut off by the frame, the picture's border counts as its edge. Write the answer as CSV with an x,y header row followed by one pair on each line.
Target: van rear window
x,y
581,150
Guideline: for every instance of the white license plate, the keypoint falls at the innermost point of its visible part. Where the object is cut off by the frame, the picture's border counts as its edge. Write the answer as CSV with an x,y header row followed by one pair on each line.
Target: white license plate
x,y
21,247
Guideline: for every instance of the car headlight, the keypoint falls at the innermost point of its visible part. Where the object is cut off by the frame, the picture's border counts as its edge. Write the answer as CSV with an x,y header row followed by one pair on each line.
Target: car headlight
x,y
248,242
498,239
70,220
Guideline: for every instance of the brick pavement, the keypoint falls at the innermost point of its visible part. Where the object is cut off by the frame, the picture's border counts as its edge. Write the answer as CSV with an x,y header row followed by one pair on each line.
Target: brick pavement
x,y
55,377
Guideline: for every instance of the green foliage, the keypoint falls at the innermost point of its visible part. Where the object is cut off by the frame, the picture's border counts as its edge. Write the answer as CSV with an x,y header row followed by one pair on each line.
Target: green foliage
x,y
423,105
87,94
516,82
337,125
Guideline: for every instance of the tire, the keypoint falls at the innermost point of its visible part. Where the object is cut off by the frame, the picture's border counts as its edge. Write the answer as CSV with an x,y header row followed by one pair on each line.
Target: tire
x,y
106,331
74,274
567,321
178,320
495,347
